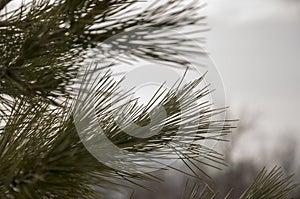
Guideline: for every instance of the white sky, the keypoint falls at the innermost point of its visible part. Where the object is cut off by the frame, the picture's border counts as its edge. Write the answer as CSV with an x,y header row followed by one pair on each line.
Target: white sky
x,y
256,46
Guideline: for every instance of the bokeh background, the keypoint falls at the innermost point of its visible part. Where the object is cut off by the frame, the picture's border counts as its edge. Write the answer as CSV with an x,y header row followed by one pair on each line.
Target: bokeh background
x,y
256,47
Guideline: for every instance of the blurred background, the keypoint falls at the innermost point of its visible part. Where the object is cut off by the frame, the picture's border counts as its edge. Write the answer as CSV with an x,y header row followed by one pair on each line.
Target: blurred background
x,y
256,47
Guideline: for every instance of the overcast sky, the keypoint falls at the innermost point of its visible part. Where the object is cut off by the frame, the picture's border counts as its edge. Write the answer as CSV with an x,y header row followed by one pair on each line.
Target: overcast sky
x,y
256,47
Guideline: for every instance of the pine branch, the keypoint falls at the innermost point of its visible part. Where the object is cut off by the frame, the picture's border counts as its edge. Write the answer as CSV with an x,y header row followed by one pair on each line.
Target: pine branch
x,y
267,185
196,192
3,3
50,40
272,185
187,122
43,45
43,155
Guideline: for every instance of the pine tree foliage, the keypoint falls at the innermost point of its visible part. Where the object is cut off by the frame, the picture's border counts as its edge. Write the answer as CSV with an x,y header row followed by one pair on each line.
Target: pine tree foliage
x,y
44,45
266,185
270,185
49,40
195,192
